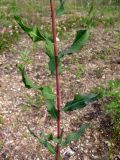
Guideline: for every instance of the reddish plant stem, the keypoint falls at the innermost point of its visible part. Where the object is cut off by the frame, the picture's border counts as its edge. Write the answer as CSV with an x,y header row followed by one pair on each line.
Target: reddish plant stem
x,y
57,75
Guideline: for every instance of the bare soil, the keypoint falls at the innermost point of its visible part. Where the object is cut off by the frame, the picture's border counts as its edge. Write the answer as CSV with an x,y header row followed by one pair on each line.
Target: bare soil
x,y
100,60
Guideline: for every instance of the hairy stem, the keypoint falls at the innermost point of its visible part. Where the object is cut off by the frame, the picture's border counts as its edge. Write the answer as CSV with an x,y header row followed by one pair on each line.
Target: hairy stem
x,y
57,76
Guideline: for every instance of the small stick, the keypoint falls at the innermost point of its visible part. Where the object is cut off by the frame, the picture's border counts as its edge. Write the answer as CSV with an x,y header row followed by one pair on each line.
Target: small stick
x,y
57,76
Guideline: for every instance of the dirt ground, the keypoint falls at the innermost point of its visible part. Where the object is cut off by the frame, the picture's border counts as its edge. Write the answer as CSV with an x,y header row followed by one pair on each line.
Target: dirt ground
x,y
99,62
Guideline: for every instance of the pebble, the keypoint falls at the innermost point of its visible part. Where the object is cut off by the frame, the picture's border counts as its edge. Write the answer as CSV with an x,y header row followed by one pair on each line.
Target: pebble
x,y
69,151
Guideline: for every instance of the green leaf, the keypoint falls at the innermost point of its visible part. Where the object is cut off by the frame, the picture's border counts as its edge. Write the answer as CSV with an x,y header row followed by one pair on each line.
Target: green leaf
x,y
33,32
47,92
50,137
49,48
80,40
52,65
75,136
55,140
50,100
80,101
50,52
51,108
46,137
27,82
48,145
60,11
44,142
90,98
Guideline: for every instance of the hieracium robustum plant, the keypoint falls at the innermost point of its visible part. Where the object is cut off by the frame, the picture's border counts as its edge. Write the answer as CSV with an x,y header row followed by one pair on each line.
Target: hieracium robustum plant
x,y
55,59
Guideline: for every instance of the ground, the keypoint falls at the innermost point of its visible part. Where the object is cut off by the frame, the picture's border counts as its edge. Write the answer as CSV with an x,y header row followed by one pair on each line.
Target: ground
x,y
96,64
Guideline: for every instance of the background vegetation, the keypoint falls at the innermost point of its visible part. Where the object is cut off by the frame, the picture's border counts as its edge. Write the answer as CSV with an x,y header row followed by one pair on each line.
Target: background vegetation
x,y
96,68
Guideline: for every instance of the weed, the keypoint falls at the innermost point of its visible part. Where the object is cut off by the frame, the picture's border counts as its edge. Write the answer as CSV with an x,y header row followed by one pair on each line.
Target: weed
x,y
24,57
53,102
80,71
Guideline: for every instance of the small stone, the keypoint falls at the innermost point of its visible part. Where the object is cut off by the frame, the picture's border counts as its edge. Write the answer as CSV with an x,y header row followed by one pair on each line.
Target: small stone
x,y
69,152
57,39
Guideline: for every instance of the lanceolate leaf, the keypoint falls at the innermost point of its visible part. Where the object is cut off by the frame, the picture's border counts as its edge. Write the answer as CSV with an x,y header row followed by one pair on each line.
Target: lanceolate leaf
x,y
33,32
27,82
48,145
50,100
80,101
51,108
47,92
44,142
52,65
49,48
74,136
51,138
80,40
50,52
